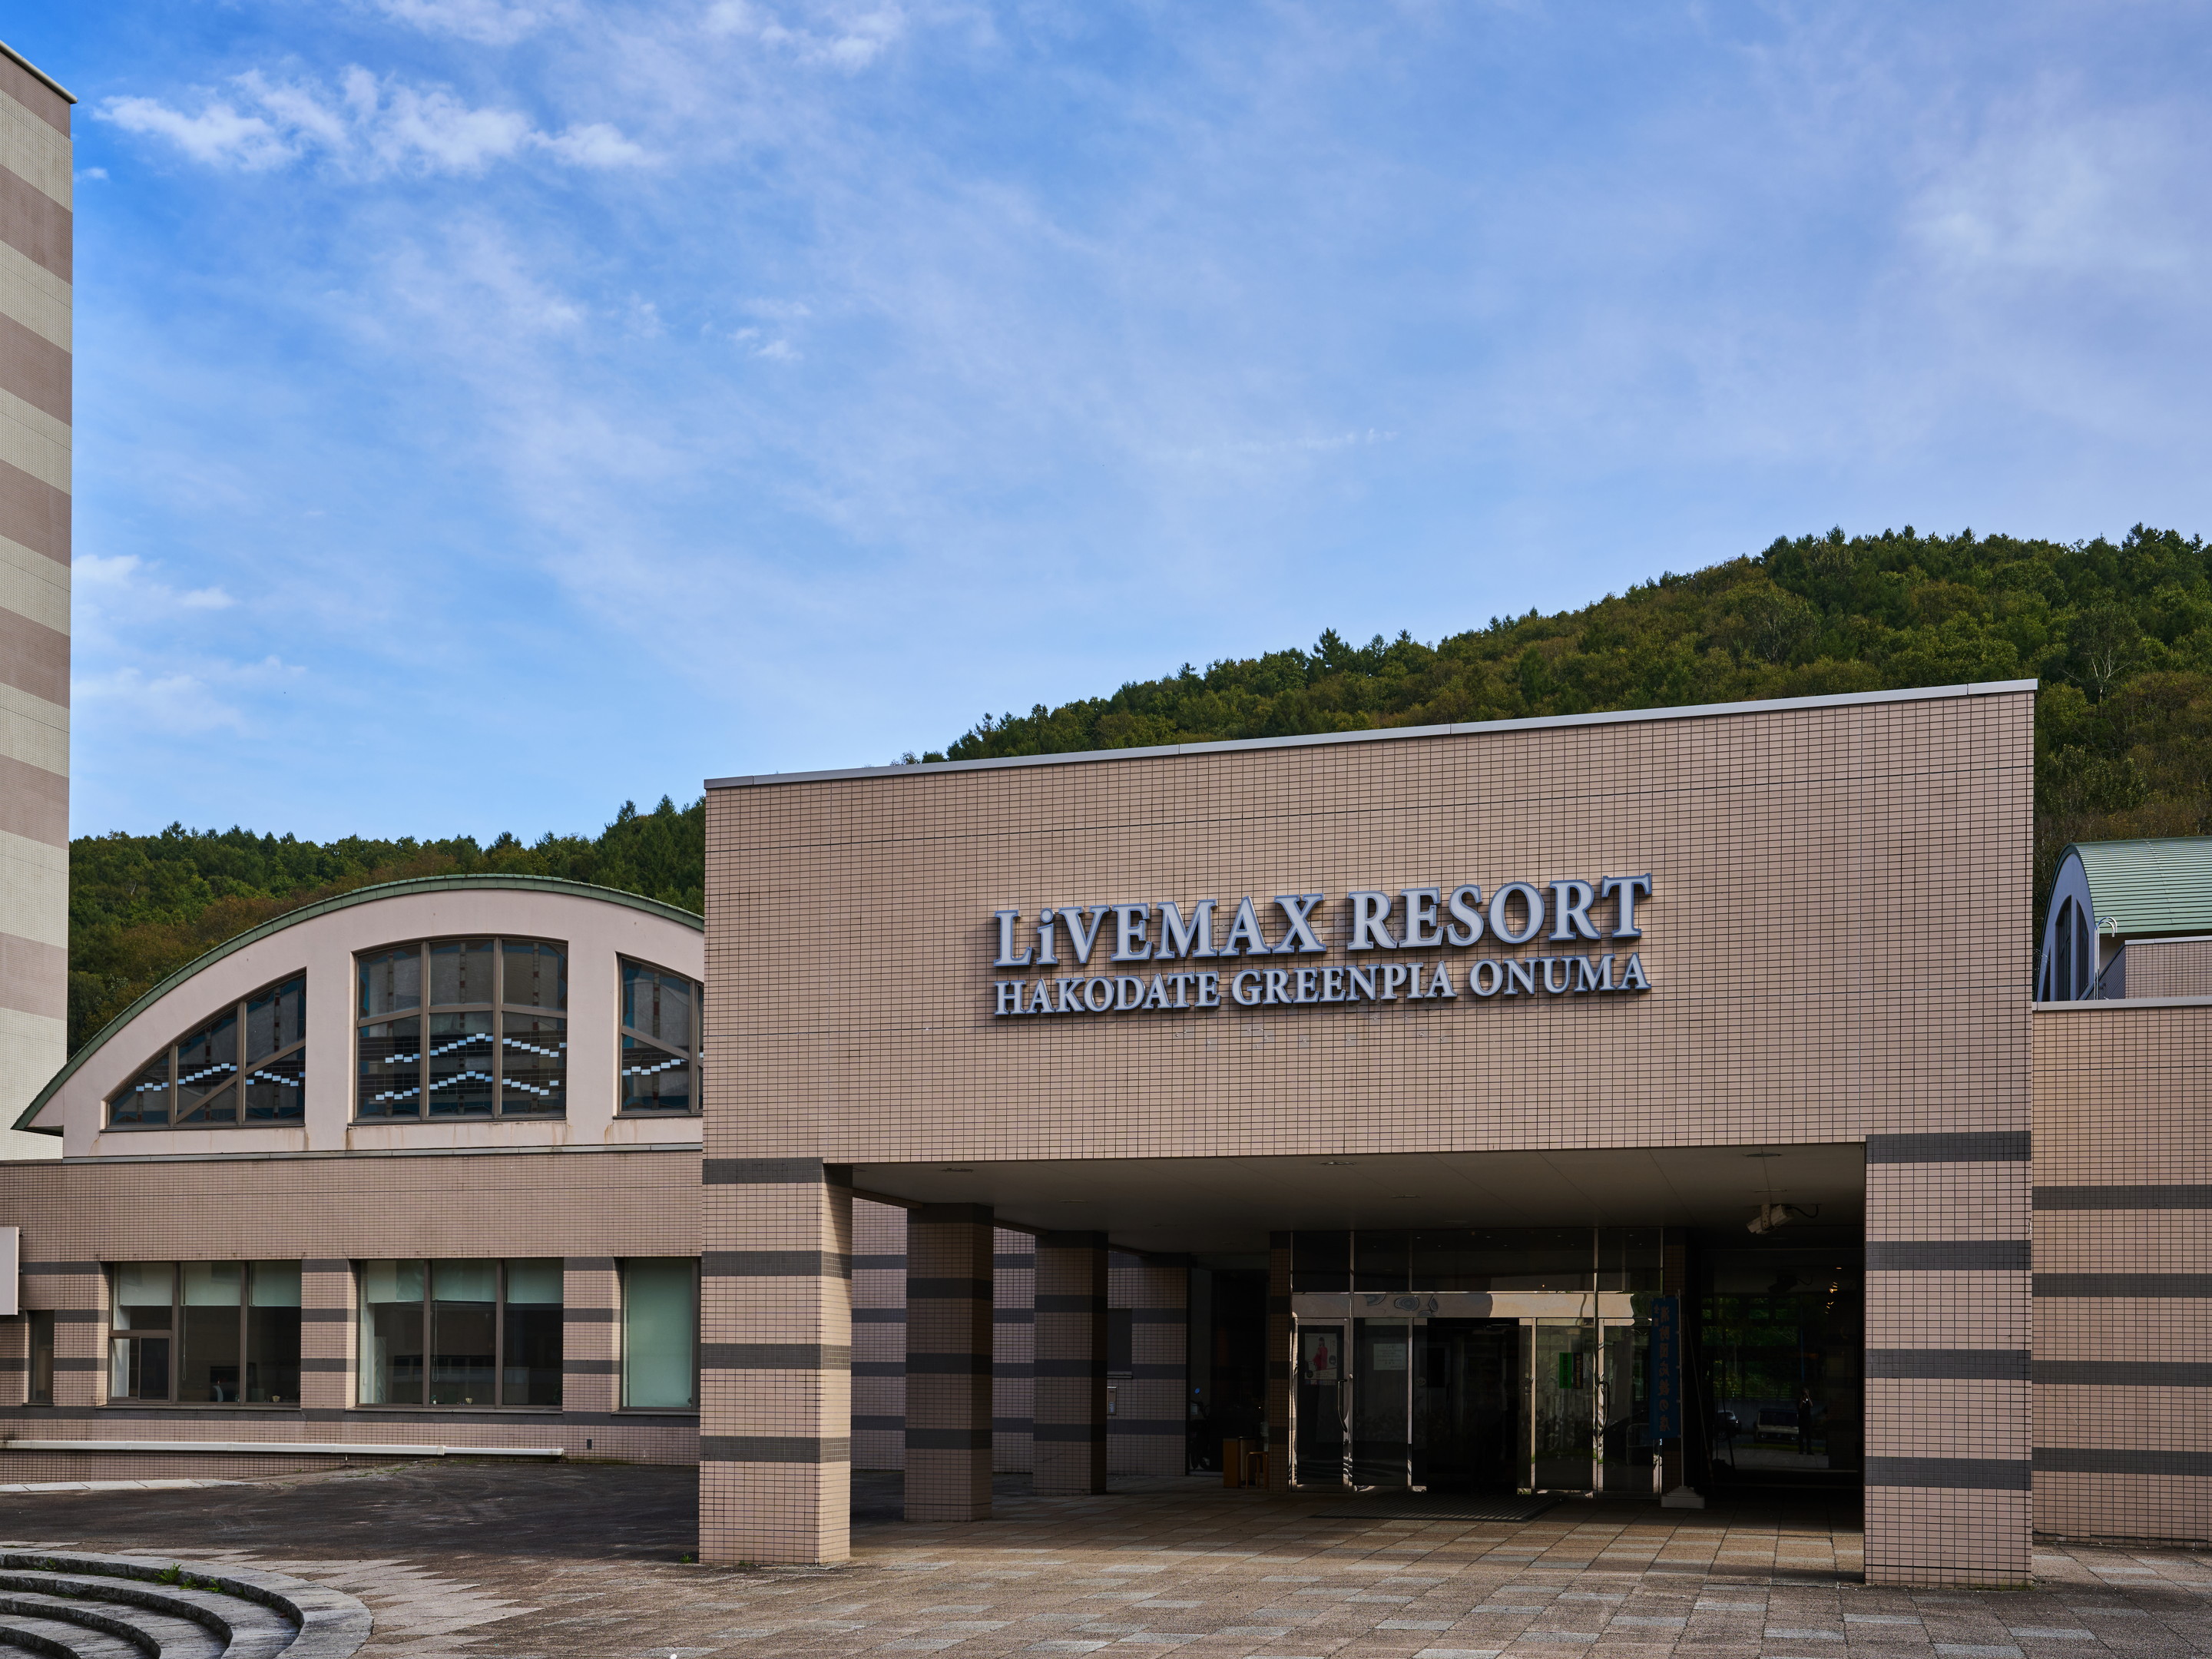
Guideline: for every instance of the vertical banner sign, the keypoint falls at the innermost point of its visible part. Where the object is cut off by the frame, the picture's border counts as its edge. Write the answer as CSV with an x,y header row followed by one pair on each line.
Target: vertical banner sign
x,y
1665,1368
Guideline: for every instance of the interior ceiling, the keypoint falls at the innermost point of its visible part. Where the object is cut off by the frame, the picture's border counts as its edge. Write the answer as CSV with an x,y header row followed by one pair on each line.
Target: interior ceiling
x,y
1223,1206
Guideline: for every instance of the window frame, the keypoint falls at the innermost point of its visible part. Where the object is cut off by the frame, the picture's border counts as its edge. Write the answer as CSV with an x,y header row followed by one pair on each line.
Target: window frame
x,y
621,1342
241,1076
697,1055
175,1338
499,1009
428,1265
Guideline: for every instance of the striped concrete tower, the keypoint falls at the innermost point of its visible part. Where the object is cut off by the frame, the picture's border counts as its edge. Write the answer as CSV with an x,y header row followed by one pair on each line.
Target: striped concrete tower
x,y
34,590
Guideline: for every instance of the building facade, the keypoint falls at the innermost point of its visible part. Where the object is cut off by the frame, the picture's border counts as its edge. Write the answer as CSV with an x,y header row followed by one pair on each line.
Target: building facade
x,y
36,277
1469,1045
1642,1105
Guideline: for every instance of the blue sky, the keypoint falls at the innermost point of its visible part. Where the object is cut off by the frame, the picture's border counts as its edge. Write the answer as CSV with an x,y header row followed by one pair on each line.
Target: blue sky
x,y
492,409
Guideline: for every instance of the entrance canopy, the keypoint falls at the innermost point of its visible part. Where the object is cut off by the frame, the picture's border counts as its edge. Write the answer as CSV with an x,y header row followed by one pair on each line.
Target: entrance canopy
x,y
1220,1208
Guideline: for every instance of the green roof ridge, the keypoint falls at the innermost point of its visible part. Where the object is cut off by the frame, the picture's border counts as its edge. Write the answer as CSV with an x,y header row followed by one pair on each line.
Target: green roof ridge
x,y
278,924
2150,884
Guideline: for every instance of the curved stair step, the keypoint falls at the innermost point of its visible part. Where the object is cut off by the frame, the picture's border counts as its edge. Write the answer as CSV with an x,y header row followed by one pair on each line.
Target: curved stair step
x,y
164,1635
61,1638
148,1608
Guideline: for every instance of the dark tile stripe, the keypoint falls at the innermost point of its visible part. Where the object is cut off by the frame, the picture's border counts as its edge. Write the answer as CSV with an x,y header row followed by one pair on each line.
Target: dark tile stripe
x,y
35,95
59,1267
326,1264
326,1315
774,1448
1154,1373
948,1439
1962,1365
1159,1316
1012,1316
2124,1285
32,512
2123,1373
35,368
35,224
1968,1473
1013,1425
947,1290
1070,1305
879,1368
2124,1197
761,1171
2072,1460
1156,1425
1015,1368
1093,1367
880,1316
1988,1146
1951,1256
588,1264
34,805
590,1315
947,1365
33,658
590,1367
772,1356
1021,1262
1080,1434
880,1425
774,1264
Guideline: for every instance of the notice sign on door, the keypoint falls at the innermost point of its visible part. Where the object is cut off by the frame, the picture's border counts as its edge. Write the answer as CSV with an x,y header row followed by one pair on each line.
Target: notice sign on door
x,y
1666,1367
1323,1357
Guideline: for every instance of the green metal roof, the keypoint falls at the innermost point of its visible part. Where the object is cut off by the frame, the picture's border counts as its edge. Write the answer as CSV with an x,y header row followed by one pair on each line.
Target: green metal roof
x,y
2161,885
384,889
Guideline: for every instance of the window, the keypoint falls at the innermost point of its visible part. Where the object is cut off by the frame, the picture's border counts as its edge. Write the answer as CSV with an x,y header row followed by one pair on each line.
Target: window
x,y
41,1389
213,1331
490,1037
660,1327
197,1082
660,1041
460,1332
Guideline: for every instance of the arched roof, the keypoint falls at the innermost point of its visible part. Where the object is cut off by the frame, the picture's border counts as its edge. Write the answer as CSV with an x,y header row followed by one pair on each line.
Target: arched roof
x,y
2162,884
387,889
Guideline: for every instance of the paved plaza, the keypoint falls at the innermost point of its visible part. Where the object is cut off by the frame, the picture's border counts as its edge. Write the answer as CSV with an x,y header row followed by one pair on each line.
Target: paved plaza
x,y
501,1563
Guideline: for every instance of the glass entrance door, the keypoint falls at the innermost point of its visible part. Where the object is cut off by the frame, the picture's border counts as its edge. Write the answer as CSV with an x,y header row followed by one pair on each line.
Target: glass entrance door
x,y
1562,1404
1381,1402
1625,1462
1322,1407
1467,1425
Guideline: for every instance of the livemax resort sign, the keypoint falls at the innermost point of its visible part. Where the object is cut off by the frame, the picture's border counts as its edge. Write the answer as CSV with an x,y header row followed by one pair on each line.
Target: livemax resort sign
x,y
1157,957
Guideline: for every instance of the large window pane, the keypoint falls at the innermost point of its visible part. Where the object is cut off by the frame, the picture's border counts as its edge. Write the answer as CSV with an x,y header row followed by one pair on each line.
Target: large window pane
x,y
143,1293
272,1334
460,1051
207,1366
659,1323
146,1100
207,1067
533,1063
391,1348
530,1367
276,1019
460,973
391,1069
537,976
391,981
275,1090
464,1332
653,1080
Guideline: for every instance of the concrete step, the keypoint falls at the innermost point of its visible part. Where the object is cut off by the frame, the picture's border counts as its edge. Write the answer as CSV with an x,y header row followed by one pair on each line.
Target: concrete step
x,y
67,1603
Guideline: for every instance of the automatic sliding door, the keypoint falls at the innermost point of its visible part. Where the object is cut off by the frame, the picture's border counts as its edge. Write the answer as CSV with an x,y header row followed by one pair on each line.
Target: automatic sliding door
x,y
1381,1397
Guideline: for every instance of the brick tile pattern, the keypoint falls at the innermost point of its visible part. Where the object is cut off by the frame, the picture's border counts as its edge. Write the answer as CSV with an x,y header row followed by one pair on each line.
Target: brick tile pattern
x,y
1071,1364
949,1265
1150,1431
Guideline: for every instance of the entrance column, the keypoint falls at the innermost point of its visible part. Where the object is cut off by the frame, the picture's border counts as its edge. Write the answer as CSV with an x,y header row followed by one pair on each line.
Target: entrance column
x,y
948,1362
1949,1495
776,1362
1070,1406
1281,1431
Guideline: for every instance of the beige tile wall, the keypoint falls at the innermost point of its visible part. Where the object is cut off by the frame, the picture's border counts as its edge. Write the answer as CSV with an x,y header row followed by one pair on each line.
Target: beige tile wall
x,y
1837,939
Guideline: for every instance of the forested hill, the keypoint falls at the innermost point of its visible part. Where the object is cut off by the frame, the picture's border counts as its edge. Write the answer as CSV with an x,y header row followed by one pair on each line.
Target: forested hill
x,y
143,905
2119,634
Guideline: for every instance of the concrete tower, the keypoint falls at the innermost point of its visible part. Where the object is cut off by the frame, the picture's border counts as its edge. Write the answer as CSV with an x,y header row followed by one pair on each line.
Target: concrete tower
x,y
35,288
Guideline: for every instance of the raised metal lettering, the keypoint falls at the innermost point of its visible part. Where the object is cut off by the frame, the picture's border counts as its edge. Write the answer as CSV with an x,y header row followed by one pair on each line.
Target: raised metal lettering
x,y
1081,938
1466,902
1371,921
1007,958
1130,944
1530,898
1297,907
1194,941
1422,929
1625,891
1570,903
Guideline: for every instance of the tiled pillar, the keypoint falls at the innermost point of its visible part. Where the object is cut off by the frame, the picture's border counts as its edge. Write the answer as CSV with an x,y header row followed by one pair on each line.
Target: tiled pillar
x,y
1949,1429
1150,1431
15,1360
1280,1435
1013,1352
591,1334
775,1363
326,1334
80,1305
1071,1364
948,1362
878,1335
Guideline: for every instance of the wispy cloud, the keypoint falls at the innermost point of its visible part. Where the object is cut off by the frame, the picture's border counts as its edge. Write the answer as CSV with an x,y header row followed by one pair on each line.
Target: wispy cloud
x,y
840,36
485,22
366,127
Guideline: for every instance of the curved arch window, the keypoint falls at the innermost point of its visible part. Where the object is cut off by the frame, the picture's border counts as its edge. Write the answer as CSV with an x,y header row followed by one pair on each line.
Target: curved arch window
x,y
452,1028
661,1042
246,1066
